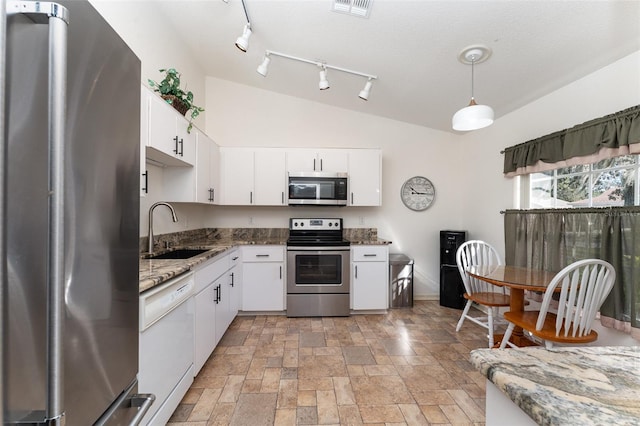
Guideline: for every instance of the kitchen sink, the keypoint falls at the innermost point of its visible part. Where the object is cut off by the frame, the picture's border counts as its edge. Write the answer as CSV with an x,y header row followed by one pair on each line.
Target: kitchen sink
x,y
178,254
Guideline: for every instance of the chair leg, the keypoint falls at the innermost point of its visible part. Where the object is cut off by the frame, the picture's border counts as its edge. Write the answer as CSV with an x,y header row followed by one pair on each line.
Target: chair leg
x,y
490,324
507,335
464,314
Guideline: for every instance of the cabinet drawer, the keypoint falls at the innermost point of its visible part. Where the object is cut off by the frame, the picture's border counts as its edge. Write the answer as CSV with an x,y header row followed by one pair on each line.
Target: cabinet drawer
x,y
210,271
370,254
263,254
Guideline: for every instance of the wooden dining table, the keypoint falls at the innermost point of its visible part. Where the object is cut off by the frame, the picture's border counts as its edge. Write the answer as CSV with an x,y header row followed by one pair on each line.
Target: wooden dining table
x,y
517,279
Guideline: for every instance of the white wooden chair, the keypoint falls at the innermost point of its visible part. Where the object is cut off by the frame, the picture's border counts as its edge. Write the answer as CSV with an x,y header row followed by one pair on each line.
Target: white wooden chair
x,y
476,252
584,285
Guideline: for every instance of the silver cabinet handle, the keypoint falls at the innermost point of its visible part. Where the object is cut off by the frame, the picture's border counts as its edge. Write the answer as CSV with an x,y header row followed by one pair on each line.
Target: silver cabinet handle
x,y
282,197
280,272
215,299
352,198
176,141
232,279
234,258
321,164
146,182
250,197
370,255
356,271
211,194
262,255
314,164
181,147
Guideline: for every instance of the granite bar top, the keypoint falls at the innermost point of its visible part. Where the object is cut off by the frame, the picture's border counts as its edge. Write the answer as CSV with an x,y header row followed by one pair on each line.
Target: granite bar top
x,y
596,385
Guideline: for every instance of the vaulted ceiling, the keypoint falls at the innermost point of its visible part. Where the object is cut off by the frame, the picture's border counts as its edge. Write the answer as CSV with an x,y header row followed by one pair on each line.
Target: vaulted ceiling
x,y
412,47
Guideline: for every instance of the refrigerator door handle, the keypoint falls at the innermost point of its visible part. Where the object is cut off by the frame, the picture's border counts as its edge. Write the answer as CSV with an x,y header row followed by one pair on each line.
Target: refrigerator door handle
x,y
3,196
57,17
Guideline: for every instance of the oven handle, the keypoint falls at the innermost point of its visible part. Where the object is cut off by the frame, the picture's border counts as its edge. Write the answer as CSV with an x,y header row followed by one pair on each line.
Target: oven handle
x,y
317,248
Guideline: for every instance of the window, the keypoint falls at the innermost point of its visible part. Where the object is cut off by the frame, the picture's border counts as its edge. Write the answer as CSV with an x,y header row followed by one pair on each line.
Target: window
x,y
610,182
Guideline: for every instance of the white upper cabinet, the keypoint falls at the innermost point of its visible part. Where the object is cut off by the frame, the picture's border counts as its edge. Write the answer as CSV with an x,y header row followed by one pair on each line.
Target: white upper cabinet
x,y
207,170
237,176
365,177
168,141
315,160
270,177
253,176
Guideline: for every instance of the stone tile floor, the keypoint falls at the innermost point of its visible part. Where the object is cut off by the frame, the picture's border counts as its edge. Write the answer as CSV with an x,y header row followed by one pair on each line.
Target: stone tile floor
x,y
408,367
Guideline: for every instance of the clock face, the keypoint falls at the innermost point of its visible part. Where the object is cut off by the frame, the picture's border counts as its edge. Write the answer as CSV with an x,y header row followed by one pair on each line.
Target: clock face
x,y
417,193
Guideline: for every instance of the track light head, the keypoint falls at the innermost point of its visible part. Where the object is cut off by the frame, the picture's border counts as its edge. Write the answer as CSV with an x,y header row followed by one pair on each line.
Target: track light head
x,y
324,83
364,93
242,42
263,68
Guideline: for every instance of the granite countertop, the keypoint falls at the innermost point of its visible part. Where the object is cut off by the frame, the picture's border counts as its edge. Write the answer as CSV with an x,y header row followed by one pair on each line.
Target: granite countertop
x,y
596,385
156,271
372,242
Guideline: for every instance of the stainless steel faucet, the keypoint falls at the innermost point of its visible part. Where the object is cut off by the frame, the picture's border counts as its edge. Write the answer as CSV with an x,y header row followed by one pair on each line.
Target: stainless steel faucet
x,y
173,214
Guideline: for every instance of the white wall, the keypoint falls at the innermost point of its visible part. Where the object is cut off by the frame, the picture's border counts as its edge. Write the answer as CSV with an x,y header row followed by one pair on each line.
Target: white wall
x,y
146,34
244,116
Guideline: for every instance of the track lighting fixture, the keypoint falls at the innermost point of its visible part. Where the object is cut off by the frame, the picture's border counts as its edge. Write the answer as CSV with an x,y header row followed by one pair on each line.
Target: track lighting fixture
x,y
364,93
242,42
324,83
474,116
263,68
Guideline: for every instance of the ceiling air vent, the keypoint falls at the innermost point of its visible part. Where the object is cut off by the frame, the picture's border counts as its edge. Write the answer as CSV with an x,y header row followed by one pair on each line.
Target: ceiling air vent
x,y
359,8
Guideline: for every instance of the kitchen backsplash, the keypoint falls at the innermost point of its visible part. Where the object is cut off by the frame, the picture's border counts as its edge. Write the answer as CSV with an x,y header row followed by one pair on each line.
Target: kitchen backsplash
x,y
230,235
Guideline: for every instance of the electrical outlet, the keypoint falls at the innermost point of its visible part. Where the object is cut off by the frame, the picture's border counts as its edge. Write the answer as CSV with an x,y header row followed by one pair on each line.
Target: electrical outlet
x,y
251,220
361,220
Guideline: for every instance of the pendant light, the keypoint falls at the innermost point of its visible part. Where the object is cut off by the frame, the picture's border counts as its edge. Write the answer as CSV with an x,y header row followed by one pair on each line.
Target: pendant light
x,y
474,116
324,83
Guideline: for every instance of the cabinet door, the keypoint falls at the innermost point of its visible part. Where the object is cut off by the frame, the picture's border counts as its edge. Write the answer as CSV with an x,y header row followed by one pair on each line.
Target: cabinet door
x,y
235,282
162,128
270,177
301,160
205,326
237,176
332,160
365,177
369,285
214,173
222,307
204,187
186,141
262,286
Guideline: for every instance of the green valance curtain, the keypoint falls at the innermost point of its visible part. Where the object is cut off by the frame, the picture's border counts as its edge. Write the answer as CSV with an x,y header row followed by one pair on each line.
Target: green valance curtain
x,y
551,239
604,137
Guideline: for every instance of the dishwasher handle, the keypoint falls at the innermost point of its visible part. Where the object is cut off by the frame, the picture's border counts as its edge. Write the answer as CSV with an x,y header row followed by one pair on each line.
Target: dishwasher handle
x,y
143,401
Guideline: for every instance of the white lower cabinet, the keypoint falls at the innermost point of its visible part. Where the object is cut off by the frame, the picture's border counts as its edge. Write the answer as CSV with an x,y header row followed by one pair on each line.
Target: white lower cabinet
x,y
369,277
212,307
263,283
235,283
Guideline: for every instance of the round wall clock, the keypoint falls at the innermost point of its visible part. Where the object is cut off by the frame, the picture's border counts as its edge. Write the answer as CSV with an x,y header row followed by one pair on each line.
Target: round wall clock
x,y
417,193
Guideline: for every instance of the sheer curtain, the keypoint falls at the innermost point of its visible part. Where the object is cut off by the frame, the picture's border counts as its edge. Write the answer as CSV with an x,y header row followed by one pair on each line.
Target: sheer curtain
x,y
552,239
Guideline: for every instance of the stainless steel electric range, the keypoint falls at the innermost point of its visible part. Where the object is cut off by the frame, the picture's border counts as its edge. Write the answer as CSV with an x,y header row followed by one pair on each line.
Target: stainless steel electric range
x,y
318,261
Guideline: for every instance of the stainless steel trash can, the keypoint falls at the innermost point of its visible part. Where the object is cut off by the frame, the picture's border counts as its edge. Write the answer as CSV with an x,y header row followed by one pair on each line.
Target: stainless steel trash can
x,y
400,281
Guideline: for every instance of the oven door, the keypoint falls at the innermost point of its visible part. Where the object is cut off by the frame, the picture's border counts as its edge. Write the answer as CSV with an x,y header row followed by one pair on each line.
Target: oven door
x,y
318,270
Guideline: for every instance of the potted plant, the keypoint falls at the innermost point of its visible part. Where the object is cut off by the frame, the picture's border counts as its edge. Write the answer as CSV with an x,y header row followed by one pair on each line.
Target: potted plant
x,y
170,91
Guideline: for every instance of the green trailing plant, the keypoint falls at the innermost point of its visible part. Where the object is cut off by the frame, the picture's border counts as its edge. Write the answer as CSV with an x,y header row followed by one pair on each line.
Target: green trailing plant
x,y
170,91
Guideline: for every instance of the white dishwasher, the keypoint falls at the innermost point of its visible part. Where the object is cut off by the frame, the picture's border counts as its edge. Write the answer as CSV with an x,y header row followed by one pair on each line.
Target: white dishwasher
x,y
166,345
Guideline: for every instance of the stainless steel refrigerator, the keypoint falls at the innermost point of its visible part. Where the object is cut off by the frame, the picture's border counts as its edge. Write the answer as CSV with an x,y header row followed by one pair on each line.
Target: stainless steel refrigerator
x,y
69,216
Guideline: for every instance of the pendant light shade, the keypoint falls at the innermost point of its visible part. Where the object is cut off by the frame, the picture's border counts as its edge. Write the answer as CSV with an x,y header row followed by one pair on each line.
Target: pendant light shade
x,y
474,116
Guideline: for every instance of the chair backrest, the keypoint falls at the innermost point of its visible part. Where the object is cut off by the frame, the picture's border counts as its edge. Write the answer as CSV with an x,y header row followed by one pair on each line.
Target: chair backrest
x,y
584,285
472,253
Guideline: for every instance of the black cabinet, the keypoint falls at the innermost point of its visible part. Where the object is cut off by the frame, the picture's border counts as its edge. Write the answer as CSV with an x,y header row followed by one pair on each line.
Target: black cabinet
x,y
451,285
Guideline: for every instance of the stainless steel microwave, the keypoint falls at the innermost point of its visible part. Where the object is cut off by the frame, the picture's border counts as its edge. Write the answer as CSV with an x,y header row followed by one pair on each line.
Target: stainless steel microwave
x,y
318,188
